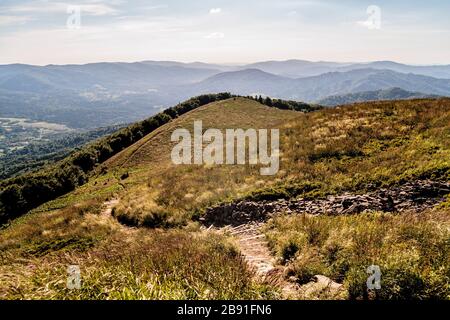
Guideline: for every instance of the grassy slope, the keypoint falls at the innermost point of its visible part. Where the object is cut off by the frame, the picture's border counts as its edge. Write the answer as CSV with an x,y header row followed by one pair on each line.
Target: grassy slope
x,y
351,148
186,264
153,177
356,148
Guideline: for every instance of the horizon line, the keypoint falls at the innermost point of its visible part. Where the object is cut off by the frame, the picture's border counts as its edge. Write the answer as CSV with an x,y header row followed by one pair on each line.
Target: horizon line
x,y
225,64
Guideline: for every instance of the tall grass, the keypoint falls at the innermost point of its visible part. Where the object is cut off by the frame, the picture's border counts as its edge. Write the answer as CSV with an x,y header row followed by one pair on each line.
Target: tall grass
x,y
412,251
136,264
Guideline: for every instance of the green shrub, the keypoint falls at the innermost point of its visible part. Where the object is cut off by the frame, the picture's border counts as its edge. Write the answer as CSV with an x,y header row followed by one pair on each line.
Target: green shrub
x,y
155,219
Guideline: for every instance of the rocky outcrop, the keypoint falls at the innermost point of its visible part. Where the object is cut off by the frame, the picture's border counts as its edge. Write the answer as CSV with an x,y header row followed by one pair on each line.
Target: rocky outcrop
x,y
412,196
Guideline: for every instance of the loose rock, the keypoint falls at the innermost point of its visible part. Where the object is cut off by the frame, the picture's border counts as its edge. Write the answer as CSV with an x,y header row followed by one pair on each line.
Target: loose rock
x,y
413,196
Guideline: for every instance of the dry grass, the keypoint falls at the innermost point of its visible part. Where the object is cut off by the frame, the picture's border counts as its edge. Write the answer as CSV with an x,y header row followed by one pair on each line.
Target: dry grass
x,y
412,251
156,186
142,265
369,145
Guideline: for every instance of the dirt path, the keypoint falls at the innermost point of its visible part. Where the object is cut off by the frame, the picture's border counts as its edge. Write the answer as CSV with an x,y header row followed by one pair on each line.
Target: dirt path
x,y
108,207
253,246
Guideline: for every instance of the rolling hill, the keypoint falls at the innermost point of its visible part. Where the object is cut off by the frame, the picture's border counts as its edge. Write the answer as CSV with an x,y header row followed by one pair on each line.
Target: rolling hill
x,y
135,227
301,68
27,191
315,88
384,94
254,81
92,95
109,76
442,71
243,82
297,68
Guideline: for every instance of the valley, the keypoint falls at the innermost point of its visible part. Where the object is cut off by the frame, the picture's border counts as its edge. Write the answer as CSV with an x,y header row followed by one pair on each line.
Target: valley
x,y
29,145
16,133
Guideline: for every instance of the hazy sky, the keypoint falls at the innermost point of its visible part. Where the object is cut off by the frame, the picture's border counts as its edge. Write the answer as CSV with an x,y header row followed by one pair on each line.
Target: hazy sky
x,y
229,31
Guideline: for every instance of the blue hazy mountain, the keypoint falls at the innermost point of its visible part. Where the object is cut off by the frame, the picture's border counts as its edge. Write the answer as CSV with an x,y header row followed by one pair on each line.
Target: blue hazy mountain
x,y
101,94
377,95
310,89
302,68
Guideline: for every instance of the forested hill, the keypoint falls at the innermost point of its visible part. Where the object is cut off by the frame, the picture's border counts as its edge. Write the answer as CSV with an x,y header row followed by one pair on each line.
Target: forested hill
x,y
384,94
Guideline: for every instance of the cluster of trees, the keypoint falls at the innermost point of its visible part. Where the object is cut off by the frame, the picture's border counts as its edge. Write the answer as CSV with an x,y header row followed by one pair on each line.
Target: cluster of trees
x,y
286,104
21,194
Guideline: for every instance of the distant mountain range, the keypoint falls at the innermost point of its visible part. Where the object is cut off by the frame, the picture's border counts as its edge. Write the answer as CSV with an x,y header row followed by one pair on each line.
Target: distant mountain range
x,y
384,94
100,94
312,89
302,68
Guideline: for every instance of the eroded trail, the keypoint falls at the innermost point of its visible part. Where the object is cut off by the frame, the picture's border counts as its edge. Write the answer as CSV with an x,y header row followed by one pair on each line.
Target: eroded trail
x,y
253,246
108,207
414,196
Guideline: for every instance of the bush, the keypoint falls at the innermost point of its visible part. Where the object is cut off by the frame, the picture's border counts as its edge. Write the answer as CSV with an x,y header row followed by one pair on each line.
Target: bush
x,y
306,266
155,219
288,252
144,215
287,104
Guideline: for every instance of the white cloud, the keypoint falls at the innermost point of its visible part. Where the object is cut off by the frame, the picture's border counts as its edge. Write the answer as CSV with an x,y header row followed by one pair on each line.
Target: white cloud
x,y
38,7
98,9
94,9
365,23
374,18
215,35
215,10
13,20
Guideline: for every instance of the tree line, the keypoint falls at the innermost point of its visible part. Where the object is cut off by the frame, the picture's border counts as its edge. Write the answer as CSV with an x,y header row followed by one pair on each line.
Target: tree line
x,y
286,104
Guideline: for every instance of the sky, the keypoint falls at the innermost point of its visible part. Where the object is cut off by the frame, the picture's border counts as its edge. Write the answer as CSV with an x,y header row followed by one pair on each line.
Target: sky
x,y
230,31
